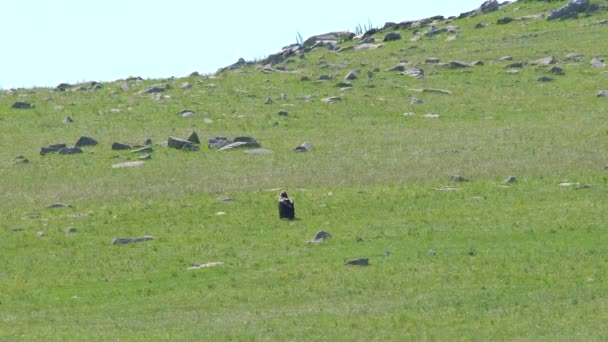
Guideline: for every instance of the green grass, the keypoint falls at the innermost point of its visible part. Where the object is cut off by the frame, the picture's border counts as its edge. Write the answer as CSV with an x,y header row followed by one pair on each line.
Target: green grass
x,y
522,261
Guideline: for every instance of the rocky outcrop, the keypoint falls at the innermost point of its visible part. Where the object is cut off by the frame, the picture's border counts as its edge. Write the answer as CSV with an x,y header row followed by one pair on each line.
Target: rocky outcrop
x,y
570,10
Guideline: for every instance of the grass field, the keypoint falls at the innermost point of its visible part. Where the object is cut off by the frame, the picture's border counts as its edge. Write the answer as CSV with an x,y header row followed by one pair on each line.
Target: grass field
x,y
474,260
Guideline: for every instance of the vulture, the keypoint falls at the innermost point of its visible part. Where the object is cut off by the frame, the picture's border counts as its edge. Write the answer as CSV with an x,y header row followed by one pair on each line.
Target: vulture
x,y
286,207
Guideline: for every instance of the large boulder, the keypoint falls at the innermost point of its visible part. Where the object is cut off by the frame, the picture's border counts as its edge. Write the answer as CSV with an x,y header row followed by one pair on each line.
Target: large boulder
x,y
571,10
487,6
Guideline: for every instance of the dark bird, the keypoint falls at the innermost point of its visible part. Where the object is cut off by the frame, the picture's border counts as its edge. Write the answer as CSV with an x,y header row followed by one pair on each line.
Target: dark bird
x,y
286,207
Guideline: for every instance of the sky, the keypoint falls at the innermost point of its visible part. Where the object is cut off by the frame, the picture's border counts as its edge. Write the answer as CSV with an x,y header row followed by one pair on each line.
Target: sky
x,y
48,42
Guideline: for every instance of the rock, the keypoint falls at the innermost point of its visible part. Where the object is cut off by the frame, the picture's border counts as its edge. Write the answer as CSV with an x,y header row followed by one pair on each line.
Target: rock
x,y
511,179
319,237
570,10
119,146
128,164
70,150
391,36
63,87
205,265
545,61
332,99
353,74
573,57
146,149
58,205
513,72
148,142
39,234
239,144
486,7
186,86
52,148
21,160
86,141
602,93
22,105
545,79
399,67
124,241
556,70
286,206
70,230
268,100
145,157
330,38
178,143
218,142
67,120
515,65
415,101
156,89
414,72
458,178
432,60
432,115
357,262
367,47
459,65
431,253
597,63
193,138
504,21
505,58
344,84
480,25
283,113
305,147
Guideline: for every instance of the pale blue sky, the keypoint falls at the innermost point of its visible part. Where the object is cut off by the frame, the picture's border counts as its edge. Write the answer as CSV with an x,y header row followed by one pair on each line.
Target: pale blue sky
x,y
47,42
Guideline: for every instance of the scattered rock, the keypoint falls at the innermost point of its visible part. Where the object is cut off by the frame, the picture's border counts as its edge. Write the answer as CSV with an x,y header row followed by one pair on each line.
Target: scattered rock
x,y
157,88
358,262
70,230
127,164
124,241
459,65
602,93
218,142
457,178
58,205
391,36
344,84
186,86
305,147
432,115
399,67
367,47
259,151
511,179
414,72
505,58
431,253
205,265
119,146
513,71
180,144
193,138
556,70
268,100
487,6
515,65
504,21
240,144
353,74
545,61
51,148
597,63
39,234
86,141
283,113
145,157
146,149
481,25
67,120
415,101
570,10
319,237
21,160
70,150
545,79
22,105
332,99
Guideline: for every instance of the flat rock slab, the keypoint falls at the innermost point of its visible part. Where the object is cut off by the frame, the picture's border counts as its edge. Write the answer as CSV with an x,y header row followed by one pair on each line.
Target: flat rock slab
x,y
205,265
124,241
128,164
357,262
319,237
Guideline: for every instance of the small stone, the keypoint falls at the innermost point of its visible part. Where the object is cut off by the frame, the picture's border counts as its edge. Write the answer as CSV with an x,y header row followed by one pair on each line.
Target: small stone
x,y
186,85
39,234
358,262
128,164
67,120
304,147
283,113
69,230
457,178
86,141
319,237
268,100
58,205
146,149
602,93
556,70
22,105
119,146
205,265
545,79
145,157
511,179
416,101
431,253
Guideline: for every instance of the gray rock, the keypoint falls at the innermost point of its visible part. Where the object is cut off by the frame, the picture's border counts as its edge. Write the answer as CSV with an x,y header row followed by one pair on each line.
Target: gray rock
x,y
570,10
305,147
597,63
124,241
416,101
178,143
239,144
156,89
573,57
70,150
332,99
414,72
391,36
146,149
602,93
320,236
343,84
556,70
86,141
58,205
186,85
505,58
353,74
504,21
51,148
511,179
515,65
193,138
480,25
431,253
67,120
21,160
70,230
545,61
116,146
218,142
145,157
459,65
283,113
545,79
325,77
399,67
432,60
268,100
358,262
22,105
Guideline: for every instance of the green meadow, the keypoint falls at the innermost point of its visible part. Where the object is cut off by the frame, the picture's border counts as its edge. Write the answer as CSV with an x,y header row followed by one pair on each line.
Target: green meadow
x,y
479,259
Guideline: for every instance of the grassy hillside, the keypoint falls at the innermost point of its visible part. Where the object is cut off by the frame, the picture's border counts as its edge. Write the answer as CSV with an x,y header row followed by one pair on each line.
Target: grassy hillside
x,y
474,260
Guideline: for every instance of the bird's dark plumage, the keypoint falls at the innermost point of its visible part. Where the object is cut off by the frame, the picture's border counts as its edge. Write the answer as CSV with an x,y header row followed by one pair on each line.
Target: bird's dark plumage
x,y
286,207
